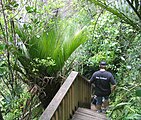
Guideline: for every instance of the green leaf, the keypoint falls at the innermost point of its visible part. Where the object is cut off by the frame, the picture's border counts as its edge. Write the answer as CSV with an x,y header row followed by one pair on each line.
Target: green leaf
x,y
122,104
14,4
2,46
133,117
30,9
138,92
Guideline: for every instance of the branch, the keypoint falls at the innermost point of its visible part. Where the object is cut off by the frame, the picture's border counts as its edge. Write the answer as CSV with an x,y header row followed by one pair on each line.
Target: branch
x,y
33,92
134,9
117,13
26,114
7,44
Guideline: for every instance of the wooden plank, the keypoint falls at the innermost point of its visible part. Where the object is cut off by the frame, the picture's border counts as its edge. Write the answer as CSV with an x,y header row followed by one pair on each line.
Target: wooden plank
x,y
81,117
87,114
90,116
63,109
91,112
77,118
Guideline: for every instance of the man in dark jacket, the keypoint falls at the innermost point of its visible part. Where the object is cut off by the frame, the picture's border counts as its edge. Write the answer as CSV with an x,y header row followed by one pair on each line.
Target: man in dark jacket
x,y
104,85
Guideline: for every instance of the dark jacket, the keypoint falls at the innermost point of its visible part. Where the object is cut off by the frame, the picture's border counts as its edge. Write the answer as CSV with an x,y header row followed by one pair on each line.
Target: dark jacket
x,y
102,81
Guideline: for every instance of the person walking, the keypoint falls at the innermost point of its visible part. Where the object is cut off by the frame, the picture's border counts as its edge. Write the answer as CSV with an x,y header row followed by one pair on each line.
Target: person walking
x,y
105,84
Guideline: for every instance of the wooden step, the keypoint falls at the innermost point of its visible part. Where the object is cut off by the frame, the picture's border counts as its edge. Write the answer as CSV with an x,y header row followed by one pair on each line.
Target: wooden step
x,y
88,114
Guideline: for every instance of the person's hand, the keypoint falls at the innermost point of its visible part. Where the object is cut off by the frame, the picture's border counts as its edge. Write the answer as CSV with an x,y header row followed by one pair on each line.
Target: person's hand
x,y
113,88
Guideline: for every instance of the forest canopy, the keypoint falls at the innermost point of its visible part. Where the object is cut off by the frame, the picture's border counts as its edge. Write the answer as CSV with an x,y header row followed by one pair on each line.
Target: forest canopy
x,y
42,41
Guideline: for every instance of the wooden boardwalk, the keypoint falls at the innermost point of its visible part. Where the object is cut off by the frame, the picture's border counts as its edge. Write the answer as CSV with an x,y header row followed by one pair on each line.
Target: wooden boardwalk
x,y
88,114
72,100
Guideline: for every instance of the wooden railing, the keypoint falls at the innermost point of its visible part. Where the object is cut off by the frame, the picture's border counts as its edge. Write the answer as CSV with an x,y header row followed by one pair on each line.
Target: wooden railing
x,y
75,92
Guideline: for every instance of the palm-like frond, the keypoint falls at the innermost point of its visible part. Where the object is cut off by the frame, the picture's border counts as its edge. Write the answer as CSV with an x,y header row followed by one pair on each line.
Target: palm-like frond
x,y
58,42
127,10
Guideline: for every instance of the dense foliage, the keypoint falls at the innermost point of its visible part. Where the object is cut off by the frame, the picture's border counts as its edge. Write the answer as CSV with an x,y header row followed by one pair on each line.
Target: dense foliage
x,y
118,42
37,39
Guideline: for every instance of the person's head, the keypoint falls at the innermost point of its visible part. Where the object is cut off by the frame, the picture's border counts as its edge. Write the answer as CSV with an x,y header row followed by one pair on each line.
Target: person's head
x,y
102,65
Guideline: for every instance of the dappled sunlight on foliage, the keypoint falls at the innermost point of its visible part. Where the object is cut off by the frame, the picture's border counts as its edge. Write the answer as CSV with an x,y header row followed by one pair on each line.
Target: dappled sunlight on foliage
x,y
41,42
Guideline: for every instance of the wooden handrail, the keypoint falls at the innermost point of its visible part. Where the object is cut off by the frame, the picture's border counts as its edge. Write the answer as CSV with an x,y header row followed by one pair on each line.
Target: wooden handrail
x,y
75,92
